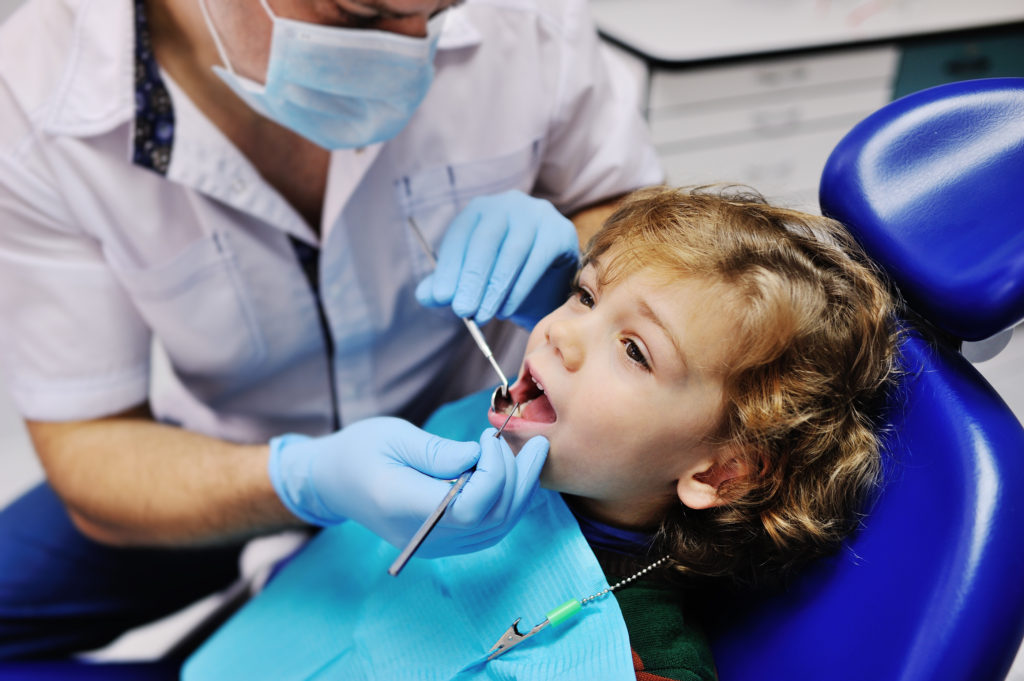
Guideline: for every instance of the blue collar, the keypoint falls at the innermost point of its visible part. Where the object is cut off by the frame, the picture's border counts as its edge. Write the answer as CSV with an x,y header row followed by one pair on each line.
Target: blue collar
x,y
616,539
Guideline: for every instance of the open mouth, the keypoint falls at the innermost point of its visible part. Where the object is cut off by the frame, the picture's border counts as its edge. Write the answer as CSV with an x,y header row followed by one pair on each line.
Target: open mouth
x,y
528,393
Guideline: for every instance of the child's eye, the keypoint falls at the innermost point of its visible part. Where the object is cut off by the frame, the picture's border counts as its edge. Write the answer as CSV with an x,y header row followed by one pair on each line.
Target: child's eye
x,y
583,295
635,354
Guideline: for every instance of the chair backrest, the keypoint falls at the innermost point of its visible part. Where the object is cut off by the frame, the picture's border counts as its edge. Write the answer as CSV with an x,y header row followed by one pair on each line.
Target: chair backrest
x,y
932,587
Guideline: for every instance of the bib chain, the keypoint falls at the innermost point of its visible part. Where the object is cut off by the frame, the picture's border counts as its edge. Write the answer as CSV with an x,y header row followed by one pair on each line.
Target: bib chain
x,y
624,582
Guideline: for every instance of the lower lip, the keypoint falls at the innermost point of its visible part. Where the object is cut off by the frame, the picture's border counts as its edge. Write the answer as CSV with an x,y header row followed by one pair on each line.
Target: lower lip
x,y
514,424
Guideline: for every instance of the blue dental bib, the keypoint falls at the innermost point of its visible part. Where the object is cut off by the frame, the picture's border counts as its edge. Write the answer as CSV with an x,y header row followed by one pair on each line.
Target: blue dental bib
x,y
334,613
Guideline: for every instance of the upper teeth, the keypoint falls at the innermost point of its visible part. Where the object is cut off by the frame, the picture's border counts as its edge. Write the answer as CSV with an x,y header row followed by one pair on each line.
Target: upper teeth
x,y
537,383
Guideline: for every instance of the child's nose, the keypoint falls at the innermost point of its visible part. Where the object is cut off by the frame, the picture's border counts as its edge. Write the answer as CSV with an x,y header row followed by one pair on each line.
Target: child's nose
x,y
566,337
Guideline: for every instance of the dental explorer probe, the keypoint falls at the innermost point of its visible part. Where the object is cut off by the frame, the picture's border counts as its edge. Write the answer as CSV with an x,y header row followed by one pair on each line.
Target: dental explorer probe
x,y
435,516
474,330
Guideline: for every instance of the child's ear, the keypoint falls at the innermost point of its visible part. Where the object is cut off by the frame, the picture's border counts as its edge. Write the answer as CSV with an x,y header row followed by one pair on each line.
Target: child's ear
x,y
699,489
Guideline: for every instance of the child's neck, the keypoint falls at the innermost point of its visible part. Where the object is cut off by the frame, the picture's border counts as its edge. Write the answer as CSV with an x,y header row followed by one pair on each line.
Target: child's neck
x,y
602,535
637,515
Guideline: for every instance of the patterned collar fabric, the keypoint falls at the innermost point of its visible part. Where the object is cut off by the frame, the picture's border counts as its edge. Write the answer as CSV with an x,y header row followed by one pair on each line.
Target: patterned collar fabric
x,y
154,115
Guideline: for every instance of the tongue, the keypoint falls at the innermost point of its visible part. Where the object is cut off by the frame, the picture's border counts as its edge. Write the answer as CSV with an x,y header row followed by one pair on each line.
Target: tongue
x,y
538,410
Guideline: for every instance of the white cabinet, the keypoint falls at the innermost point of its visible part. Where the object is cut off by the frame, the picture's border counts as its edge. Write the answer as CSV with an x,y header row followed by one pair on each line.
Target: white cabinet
x,y
760,92
769,123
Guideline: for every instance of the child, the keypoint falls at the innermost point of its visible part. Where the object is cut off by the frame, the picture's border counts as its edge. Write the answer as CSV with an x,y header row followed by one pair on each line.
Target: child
x,y
748,346
711,393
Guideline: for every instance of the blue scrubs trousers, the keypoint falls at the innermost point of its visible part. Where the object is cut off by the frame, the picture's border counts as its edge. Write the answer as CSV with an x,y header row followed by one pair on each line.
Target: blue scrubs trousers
x,y
62,593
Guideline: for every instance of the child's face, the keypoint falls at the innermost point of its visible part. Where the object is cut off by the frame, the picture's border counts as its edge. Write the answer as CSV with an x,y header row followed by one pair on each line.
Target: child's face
x,y
632,377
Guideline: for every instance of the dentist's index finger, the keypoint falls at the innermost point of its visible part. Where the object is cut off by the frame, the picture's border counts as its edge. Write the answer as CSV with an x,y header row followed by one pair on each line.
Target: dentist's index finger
x,y
481,254
450,257
508,270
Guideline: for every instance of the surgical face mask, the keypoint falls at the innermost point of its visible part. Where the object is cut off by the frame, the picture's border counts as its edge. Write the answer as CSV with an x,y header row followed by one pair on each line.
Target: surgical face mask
x,y
340,88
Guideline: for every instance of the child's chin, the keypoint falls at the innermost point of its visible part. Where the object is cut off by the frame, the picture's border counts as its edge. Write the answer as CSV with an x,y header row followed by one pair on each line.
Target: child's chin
x,y
515,442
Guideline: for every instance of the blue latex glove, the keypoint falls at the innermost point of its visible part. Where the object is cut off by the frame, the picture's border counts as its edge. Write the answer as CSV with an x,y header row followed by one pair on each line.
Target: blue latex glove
x,y
388,475
507,256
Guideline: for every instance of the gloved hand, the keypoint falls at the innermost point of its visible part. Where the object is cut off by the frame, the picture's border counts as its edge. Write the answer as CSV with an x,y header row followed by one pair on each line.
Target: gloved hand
x,y
388,475
507,256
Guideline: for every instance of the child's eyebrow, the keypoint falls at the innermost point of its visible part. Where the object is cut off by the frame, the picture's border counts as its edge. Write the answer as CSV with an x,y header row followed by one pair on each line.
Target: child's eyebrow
x,y
648,313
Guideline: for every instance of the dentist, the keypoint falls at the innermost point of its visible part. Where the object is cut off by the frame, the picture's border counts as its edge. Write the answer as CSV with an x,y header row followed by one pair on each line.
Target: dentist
x,y
214,318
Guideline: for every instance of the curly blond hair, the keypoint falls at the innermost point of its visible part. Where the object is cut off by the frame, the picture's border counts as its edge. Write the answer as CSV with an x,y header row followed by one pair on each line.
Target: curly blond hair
x,y
814,359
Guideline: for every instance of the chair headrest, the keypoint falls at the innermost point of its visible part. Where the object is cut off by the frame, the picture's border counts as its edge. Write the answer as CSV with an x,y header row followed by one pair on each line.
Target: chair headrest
x,y
929,185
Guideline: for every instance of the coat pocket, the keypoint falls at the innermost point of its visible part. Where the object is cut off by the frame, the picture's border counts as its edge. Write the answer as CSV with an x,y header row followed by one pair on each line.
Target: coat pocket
x,y
432,197
197,307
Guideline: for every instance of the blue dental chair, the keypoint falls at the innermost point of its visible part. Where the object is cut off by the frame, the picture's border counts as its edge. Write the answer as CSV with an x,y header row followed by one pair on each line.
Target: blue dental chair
x,y
932,588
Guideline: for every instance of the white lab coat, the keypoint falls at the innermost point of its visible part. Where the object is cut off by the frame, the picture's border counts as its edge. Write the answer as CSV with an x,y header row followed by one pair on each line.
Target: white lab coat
x,y
99,257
